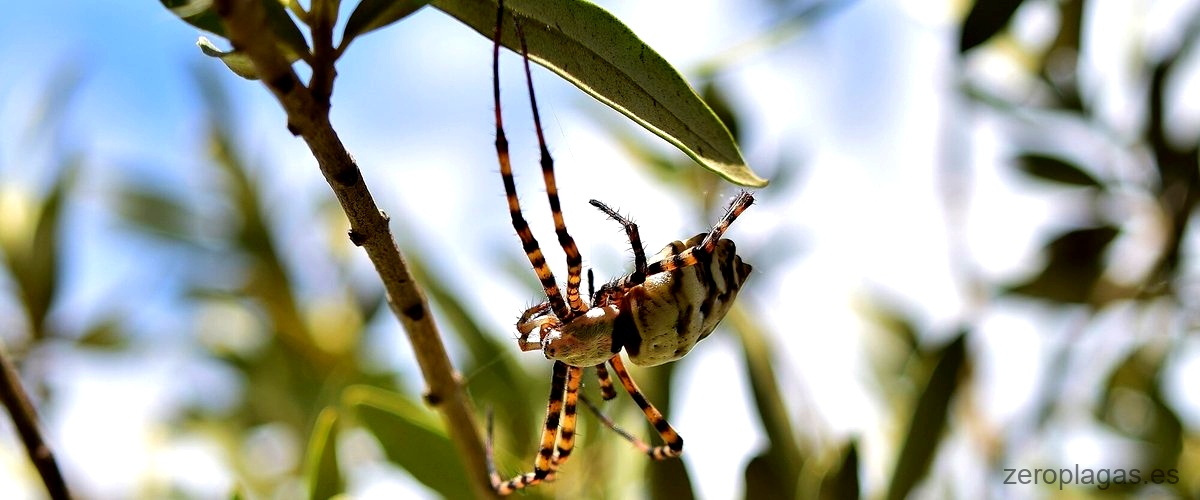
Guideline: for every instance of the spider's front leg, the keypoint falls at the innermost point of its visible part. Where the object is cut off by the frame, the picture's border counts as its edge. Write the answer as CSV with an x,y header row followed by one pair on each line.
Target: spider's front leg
x,y
533,326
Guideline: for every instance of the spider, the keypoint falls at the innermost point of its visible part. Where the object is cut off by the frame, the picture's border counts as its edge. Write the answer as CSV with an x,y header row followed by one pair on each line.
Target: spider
x,y
656,314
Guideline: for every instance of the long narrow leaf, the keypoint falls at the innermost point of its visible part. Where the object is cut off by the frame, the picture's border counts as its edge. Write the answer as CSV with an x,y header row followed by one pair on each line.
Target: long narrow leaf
x,y
593,50
324,475
928,420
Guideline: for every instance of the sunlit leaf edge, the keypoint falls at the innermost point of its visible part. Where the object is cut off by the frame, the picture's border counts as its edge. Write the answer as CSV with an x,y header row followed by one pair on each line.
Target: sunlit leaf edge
x,y
593,50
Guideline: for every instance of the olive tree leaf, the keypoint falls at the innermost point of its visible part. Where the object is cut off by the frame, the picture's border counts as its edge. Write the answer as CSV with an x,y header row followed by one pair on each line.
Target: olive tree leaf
x,y
321,464
986,18
1054,169
411,438
239,63
200,14
593,50
370,15
1074,267
929,419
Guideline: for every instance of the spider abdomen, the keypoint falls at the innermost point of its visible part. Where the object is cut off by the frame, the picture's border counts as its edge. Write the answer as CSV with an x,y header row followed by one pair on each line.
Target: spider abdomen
x,y
671,311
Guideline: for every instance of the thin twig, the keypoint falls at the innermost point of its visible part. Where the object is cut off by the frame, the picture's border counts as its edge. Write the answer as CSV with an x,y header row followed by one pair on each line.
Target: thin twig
x,y
308,118
13,394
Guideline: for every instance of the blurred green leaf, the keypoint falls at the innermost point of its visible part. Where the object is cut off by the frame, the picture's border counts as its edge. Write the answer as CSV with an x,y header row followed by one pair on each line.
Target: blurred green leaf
x,y
198,13
1133,404
492,370
156,212
1056,169
1074,267
928,421
593,50
321,463
370,15
34,266
239,63
764,480
411,438
718,101
986,18
105,334
287,33
844,481
668,478
777,469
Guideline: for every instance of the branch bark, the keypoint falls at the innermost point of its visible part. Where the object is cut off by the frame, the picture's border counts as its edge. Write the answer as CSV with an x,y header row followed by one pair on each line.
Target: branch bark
x,y
24,418
308,117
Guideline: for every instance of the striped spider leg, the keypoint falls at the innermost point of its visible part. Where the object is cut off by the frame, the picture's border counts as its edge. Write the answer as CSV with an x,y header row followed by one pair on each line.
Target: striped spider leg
x,y
656,314
558,435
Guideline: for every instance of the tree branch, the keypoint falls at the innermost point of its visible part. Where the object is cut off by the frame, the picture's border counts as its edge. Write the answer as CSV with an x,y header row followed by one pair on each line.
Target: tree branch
x,y
25,419
245,21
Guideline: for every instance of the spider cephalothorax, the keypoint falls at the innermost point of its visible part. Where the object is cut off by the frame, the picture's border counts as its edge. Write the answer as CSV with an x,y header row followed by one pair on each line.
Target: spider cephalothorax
x,y
656,314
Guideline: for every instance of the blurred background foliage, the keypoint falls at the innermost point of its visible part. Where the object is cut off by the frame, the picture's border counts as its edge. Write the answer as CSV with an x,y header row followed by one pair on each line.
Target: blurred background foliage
x,y
308,407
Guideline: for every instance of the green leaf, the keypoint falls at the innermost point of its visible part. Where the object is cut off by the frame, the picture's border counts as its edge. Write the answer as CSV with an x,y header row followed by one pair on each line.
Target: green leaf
x,y
411,438
765,481
370,15
105,334
987,17
593,50
198,13
1054,169
929,420
39,276
844,483
777,469
1134,404
156,212
239,63
669,478
716,99
321,464
291,39
1073,269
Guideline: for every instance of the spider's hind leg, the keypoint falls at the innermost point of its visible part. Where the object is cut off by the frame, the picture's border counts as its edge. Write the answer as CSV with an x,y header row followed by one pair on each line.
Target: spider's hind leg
x,y
674,443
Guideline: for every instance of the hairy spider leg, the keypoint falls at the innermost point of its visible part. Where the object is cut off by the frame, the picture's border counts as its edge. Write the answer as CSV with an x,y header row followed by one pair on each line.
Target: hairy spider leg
x,y
607,391
558,433
574,259
685,257
530,244
674,443
566,435
635,241
688,257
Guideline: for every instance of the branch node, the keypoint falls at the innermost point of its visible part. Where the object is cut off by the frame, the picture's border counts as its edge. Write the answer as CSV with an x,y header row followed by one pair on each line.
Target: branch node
x,y
283,83
356,237
347,176
416,312
432,399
